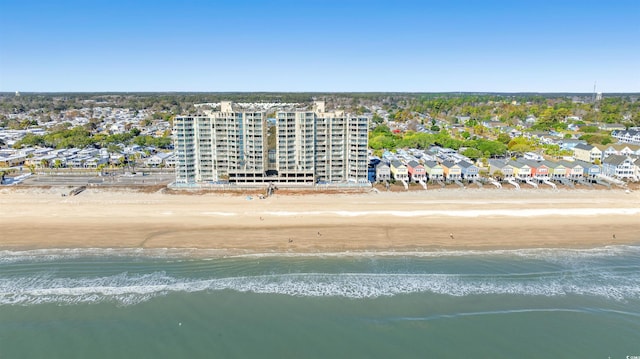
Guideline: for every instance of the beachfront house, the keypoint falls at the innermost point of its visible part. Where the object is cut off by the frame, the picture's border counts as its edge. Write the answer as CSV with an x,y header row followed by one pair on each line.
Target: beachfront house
x,y
417,172
399,171
520,170
539,170
452,171
618,166
469,171
500,169
371,168
556,170
589,170
435,172
383,172
587,153
573,169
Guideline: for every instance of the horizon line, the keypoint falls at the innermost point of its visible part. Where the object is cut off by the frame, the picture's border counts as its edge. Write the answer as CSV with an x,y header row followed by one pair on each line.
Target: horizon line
x,y
317,92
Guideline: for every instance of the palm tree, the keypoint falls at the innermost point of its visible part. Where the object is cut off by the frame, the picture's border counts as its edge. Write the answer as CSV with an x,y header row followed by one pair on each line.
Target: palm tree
x,y
100,168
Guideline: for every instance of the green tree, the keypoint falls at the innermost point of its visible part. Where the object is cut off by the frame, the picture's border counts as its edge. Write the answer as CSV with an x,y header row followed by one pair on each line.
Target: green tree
x,y
504,138
472,153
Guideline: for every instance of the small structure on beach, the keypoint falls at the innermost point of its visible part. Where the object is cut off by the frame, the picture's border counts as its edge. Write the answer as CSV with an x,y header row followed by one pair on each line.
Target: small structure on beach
x,y
77,190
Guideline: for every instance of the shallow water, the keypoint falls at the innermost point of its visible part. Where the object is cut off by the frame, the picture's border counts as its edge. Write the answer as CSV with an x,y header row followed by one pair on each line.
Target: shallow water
x,y
197,303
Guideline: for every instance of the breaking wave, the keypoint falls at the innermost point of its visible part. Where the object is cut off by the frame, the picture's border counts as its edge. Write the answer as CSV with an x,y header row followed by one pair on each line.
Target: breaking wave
x,y
131,276
129,289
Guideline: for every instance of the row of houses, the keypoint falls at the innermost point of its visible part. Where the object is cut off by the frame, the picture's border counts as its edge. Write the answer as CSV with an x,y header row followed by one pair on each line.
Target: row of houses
x,y
631,136
87,158
615,166
598,153
423,171
523,169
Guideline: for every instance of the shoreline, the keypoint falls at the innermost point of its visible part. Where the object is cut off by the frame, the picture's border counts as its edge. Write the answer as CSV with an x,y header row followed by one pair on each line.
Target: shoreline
x,y
319,224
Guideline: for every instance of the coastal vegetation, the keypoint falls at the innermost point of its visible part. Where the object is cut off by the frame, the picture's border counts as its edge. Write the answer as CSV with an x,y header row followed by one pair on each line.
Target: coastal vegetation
x,y
80,137
461,121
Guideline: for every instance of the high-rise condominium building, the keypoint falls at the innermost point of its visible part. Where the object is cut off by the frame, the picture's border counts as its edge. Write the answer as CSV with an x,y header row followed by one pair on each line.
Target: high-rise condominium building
x,y
232,143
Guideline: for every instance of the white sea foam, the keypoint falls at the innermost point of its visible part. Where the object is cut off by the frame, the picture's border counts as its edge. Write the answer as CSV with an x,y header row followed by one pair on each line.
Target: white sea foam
x,y
546,254
128,289
517,311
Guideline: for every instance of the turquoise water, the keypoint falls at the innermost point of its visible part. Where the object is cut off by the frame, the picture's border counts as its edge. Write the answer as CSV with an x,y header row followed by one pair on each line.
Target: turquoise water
x,y
537,303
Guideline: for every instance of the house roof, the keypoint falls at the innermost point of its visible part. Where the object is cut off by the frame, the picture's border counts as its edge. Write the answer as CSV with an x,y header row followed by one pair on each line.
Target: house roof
x,y
532,163
448,164
569,164
581,146
430,164
619,147
465,164
517,164
413,163
396,164
498,163
553,164
615,160
585,164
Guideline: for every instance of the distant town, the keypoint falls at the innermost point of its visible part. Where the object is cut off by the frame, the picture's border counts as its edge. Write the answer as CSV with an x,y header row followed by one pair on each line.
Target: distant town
x,y
388,140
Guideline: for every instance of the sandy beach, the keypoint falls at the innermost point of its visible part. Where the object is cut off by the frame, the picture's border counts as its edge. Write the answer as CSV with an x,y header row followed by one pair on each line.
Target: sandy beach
x,y
34,218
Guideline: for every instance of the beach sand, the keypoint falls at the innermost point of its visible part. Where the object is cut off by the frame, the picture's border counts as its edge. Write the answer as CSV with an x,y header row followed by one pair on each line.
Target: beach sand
x,y
35,218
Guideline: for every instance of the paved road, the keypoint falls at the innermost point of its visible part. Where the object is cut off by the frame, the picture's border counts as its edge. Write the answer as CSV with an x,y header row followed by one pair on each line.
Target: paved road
x,y
106,181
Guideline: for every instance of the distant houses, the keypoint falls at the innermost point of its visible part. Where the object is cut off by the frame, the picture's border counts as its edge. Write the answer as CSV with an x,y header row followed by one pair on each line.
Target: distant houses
x,y
160,159
598,153
630,136
87,158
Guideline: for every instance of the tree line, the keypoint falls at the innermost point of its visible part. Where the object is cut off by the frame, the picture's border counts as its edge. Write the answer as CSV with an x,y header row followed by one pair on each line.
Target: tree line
x,y
80,137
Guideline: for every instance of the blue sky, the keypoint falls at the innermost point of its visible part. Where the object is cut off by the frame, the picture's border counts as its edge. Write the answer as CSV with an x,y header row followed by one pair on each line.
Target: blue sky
x,y
320,45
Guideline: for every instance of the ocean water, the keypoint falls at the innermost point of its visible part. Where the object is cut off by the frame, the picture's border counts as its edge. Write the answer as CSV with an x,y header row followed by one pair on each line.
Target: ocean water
x,y
534,303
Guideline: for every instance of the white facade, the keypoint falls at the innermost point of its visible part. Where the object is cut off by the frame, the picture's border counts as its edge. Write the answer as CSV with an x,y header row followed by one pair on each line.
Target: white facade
x,y
232,145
